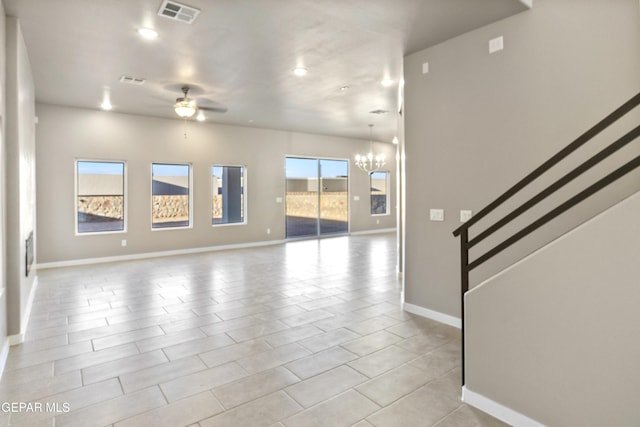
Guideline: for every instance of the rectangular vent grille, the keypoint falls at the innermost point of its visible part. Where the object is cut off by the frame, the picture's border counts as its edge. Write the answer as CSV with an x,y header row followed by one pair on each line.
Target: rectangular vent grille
x,y
178,12
132,80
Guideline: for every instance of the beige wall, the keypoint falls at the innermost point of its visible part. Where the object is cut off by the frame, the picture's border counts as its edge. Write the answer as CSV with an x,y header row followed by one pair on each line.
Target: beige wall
x,y
476,123
66,134
20,176
560,340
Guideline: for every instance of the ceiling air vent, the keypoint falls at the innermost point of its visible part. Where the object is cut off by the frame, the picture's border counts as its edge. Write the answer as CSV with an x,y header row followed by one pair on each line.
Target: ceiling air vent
x,y
178,12
132,80
379,111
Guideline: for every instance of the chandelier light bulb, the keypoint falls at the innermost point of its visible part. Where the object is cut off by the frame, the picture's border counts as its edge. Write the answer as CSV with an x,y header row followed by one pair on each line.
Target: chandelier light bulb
x,y
370,162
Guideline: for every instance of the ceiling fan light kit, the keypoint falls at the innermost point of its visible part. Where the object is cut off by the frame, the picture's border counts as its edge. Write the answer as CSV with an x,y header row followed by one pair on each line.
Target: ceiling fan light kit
x,y
185,107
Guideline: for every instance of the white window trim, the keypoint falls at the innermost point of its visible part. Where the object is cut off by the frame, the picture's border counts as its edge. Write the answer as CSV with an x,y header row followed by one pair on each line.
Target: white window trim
x,y
125,196
245,193
191,189
387,193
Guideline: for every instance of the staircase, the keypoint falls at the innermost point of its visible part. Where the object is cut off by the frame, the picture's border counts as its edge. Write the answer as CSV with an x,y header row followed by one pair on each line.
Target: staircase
x,y
554,339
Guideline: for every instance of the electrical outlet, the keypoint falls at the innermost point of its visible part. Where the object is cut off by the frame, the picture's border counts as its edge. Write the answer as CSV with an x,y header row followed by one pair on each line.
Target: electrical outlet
x,y
268,231
123,242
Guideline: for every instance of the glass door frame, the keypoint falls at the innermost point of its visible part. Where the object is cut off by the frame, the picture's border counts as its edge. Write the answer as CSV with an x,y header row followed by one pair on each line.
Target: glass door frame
x,y
319,190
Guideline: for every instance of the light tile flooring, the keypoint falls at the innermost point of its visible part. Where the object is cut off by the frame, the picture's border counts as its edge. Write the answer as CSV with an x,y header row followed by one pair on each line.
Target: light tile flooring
x,y
308,333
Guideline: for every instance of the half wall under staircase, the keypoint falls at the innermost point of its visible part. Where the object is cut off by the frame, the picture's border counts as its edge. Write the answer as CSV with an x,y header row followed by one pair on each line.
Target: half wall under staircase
x,y
556,336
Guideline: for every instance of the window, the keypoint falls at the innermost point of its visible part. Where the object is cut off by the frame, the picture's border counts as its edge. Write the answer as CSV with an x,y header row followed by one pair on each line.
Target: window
x,y
379,183
170,195
99,196
228,184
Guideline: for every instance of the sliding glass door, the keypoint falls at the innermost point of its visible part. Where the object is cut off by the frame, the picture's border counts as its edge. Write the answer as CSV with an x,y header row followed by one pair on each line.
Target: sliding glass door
x,y
317,197
334,199
302,197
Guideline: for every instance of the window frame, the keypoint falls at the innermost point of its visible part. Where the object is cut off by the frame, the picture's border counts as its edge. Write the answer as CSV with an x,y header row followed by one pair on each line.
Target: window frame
x,y
245,197
387,193
190,189
125,201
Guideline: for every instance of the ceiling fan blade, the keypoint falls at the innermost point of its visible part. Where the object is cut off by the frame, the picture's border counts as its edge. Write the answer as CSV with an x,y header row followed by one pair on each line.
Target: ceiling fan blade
x,y
213,109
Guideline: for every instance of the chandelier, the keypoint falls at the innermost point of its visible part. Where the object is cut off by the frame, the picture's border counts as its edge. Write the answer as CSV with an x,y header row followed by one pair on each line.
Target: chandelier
x,y
370,162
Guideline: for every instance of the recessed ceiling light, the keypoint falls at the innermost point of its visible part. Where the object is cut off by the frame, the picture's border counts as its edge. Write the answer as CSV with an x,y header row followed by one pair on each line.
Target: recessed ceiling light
x,y
106,105
148,33
344,88
386,82
299,71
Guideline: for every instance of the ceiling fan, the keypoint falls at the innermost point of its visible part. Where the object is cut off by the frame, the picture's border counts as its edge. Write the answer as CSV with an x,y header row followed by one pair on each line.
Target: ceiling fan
x,y
186,107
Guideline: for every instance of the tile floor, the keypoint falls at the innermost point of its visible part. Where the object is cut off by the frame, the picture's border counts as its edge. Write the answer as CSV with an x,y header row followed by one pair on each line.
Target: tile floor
x,y
308,333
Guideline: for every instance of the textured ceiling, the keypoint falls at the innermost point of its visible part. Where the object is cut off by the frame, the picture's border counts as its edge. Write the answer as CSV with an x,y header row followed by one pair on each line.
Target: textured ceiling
x,y
240,54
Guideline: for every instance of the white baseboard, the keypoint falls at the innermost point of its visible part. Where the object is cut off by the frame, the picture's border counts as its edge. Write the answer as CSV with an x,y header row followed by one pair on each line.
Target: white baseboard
x,y
144,255
27,312
432,314
16,339
4,354
497,410
19,338
376,231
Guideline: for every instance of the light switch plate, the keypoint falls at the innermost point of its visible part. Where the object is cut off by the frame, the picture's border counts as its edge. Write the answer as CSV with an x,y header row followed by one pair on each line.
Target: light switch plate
x,y
356,198
496,44
436,214
465,215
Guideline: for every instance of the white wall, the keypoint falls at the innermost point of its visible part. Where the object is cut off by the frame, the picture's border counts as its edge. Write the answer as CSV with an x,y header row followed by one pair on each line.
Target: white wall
x,y
3,243
476,123
20,177
559,343
66,134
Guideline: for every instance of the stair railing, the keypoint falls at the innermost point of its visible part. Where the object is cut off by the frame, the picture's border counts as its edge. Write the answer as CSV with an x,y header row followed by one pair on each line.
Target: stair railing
x,y
466,243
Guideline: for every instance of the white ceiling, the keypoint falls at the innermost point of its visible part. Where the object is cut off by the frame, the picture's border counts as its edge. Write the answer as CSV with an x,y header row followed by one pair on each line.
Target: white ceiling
x,y
240,54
